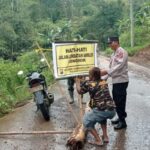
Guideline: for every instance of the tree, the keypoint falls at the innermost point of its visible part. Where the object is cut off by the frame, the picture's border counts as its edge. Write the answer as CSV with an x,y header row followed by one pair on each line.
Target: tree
x,y
103,24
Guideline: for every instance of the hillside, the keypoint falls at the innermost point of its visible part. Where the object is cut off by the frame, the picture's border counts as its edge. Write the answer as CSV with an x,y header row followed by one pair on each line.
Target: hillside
x,y
142,57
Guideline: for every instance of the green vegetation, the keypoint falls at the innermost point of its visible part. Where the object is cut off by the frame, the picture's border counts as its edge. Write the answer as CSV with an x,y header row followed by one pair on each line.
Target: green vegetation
x,y
25,22
14,88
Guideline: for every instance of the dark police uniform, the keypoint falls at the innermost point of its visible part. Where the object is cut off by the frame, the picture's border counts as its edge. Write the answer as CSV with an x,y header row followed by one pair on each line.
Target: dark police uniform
x,y
70,83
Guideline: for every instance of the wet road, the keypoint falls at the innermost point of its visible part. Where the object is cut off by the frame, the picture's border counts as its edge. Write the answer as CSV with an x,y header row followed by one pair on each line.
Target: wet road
x,y
135,137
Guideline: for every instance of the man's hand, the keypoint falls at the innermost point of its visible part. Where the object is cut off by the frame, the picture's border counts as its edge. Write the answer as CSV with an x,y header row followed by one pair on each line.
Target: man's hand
x,y
103,72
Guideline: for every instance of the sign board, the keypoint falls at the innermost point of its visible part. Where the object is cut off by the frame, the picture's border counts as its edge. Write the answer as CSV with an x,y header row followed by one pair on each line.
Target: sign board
x,y
73,58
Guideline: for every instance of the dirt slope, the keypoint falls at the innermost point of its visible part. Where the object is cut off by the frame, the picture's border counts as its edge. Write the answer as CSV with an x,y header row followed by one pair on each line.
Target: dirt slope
x,y
142,57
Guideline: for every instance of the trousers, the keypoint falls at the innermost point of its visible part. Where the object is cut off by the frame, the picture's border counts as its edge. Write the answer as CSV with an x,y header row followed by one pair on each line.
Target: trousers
x,y
119,93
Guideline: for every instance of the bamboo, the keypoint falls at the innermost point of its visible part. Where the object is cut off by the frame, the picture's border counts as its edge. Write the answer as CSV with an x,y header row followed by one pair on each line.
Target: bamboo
x,y
80,98
80,106
35,132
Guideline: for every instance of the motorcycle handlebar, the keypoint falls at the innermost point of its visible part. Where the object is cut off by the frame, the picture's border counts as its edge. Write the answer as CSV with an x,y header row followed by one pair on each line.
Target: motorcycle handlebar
x,y
39,70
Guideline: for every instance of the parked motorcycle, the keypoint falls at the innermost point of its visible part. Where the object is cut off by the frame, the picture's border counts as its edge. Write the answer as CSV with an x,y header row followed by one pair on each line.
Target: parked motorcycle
x,y
37,86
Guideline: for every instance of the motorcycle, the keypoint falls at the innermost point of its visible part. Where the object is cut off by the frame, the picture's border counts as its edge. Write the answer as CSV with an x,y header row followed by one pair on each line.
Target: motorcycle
x,y
38,87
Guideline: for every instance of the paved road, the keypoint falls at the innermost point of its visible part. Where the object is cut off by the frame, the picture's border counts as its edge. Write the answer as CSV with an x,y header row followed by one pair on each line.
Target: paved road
x,y
135,137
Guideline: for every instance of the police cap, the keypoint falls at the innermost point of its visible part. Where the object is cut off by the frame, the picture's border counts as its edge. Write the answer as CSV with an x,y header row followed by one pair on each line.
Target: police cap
x,y
113,39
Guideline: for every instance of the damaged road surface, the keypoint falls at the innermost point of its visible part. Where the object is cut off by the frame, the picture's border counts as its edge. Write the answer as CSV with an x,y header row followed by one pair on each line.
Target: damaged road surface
x,y
26,119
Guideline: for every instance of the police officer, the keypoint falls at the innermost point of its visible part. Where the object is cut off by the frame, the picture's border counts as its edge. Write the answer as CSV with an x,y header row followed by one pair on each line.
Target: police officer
x,y
70,83
118,70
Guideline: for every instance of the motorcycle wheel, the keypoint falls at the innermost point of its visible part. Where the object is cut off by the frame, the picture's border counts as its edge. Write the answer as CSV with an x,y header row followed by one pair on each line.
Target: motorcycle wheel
x,y
45,111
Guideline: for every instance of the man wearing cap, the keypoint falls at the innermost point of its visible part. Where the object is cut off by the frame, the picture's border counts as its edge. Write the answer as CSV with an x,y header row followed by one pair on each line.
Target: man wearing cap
x,y
118,71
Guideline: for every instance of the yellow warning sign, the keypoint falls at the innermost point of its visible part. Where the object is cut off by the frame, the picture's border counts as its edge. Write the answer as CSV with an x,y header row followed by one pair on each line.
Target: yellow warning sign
x,y
71,59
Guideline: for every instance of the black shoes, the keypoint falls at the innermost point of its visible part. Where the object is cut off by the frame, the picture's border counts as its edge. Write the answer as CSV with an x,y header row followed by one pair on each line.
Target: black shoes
x,y
120,125
115,121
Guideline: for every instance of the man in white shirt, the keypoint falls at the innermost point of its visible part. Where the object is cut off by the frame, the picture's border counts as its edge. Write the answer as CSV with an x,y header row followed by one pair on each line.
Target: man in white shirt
x,y
118,71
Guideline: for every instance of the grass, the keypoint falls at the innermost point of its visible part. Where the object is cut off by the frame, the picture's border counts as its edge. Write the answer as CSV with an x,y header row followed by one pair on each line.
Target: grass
x,y
14,89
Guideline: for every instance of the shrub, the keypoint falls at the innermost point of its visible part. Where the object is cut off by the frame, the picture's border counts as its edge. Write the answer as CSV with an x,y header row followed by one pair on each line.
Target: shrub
x,y
14,89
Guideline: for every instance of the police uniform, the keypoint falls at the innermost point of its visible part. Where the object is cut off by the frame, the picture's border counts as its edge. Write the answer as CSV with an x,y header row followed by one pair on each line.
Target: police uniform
x,y
119,73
